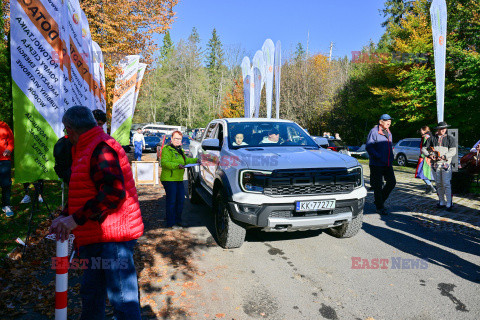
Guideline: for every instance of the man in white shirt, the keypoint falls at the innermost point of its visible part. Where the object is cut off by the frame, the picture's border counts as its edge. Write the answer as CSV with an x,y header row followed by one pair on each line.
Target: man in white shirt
x,y
139,144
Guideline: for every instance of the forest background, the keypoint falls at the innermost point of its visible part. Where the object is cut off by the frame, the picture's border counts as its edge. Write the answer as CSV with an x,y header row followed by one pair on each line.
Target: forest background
x,y
189,85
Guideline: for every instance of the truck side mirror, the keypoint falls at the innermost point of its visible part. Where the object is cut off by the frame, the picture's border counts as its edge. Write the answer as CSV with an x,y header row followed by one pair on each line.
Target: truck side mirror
x,y
211,144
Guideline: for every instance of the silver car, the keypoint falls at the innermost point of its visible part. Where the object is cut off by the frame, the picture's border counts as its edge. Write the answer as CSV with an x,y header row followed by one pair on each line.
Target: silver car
x,y
407,150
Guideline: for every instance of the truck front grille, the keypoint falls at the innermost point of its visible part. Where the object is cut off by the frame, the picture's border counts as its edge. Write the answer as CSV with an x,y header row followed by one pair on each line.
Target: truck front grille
x,y
293,182
307,190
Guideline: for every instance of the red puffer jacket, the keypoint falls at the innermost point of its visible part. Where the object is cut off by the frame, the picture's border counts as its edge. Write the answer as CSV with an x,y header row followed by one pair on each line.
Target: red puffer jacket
x,y
124,223
6,140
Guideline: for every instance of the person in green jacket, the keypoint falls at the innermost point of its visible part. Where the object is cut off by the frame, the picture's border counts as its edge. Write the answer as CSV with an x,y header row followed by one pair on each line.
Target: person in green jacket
x,y
173,167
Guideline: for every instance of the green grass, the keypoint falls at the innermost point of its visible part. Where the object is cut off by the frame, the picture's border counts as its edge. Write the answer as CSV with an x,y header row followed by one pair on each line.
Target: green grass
x,y
17,226
475,188
410,168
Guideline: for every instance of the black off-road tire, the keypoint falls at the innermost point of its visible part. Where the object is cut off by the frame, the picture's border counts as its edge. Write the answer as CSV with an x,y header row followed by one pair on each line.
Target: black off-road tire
x,y
229,234
193,195
349,229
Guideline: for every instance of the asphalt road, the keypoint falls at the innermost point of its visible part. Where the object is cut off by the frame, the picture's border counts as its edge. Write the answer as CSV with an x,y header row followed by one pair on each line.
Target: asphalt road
x,y
426,273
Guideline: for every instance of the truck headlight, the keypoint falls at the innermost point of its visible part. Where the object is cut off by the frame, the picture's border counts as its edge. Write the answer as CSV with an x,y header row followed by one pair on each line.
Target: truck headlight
x,y
358,172
253,180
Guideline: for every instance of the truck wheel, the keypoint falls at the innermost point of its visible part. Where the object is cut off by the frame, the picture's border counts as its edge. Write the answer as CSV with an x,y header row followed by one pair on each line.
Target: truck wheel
x,y
229,234
193,195
349,229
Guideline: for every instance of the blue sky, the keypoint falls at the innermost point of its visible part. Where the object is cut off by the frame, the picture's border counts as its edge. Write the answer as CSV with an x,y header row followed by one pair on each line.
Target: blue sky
x,y
349,24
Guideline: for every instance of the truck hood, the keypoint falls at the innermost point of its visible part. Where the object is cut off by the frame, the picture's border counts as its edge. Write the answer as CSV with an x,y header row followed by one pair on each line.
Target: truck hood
x,y
271,158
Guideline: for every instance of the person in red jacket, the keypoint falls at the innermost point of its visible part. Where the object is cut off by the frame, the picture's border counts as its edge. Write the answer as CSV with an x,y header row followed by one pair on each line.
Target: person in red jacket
x,y
104,215
6,149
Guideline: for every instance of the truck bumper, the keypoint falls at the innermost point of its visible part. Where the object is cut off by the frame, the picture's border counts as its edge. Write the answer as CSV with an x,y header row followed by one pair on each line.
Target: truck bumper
x,y
283,217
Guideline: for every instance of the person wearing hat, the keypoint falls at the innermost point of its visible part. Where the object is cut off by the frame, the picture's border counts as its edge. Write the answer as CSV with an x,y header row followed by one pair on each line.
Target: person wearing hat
x,y
441,149
379,148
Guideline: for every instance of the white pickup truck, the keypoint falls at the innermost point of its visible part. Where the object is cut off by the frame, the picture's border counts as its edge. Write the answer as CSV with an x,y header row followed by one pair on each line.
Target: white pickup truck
x,y
270,174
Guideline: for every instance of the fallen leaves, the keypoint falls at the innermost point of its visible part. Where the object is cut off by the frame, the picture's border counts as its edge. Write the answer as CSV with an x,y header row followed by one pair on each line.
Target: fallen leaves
x,y
27,280
164,259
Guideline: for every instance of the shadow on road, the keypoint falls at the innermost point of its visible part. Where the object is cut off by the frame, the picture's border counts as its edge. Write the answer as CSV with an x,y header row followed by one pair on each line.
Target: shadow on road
x,y
421,249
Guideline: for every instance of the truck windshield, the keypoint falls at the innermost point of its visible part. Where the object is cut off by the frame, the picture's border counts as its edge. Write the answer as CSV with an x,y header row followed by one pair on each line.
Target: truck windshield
x,y
267,134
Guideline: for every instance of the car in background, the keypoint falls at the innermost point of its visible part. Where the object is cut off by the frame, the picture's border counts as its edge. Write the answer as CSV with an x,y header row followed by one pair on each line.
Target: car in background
x,y
407,150
166,140
360,152
198,133
321,141
331,144
151,143
338,146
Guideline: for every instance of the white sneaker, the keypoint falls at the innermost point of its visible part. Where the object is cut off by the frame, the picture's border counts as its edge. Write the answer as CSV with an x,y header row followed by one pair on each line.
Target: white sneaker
x,y
8,211
26,199
40,199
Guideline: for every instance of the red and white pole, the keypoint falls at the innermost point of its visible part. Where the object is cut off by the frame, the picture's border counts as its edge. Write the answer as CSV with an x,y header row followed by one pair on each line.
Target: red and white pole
x,y
61,280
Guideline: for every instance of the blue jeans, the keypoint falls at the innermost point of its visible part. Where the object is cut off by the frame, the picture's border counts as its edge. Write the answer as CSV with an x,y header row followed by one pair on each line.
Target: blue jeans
x,y
117,280
138,150
175,197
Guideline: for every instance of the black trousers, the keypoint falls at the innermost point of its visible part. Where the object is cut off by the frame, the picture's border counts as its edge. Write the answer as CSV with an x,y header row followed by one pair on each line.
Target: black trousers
x,y
6,181
377,174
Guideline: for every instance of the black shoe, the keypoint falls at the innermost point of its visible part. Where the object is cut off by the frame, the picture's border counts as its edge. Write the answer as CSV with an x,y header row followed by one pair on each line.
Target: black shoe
x,y
450,208
440,206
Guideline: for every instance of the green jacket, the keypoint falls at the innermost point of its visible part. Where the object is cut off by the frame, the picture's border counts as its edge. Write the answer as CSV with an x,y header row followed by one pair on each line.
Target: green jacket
x,y
170,161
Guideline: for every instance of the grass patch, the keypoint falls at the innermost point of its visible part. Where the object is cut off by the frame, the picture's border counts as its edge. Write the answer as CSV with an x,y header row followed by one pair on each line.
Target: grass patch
x,y
475,188
17,226
410,168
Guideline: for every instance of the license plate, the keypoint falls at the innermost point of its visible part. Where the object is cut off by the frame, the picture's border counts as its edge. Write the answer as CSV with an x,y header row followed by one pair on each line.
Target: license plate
x,y
315,205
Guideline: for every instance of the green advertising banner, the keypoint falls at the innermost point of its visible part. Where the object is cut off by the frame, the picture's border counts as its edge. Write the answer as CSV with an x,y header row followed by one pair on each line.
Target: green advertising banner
x,y
36,87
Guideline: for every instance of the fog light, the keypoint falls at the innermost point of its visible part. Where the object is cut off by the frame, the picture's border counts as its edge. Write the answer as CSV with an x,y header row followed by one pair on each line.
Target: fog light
x,y
248,209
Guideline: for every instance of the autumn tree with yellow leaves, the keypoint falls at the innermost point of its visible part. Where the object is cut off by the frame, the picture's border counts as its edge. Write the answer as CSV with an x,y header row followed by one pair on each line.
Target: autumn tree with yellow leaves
x,y
126,27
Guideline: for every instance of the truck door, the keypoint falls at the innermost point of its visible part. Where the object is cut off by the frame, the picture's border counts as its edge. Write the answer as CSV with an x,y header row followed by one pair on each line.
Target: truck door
x,y
207,156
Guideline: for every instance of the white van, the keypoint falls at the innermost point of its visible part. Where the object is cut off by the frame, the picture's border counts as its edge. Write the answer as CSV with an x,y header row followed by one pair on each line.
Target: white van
x,y
161,128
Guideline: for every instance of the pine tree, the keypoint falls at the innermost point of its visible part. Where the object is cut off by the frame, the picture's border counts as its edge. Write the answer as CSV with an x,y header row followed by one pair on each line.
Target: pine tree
x,y
395,10
215,57
167,48
215,69
299,52
194,37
